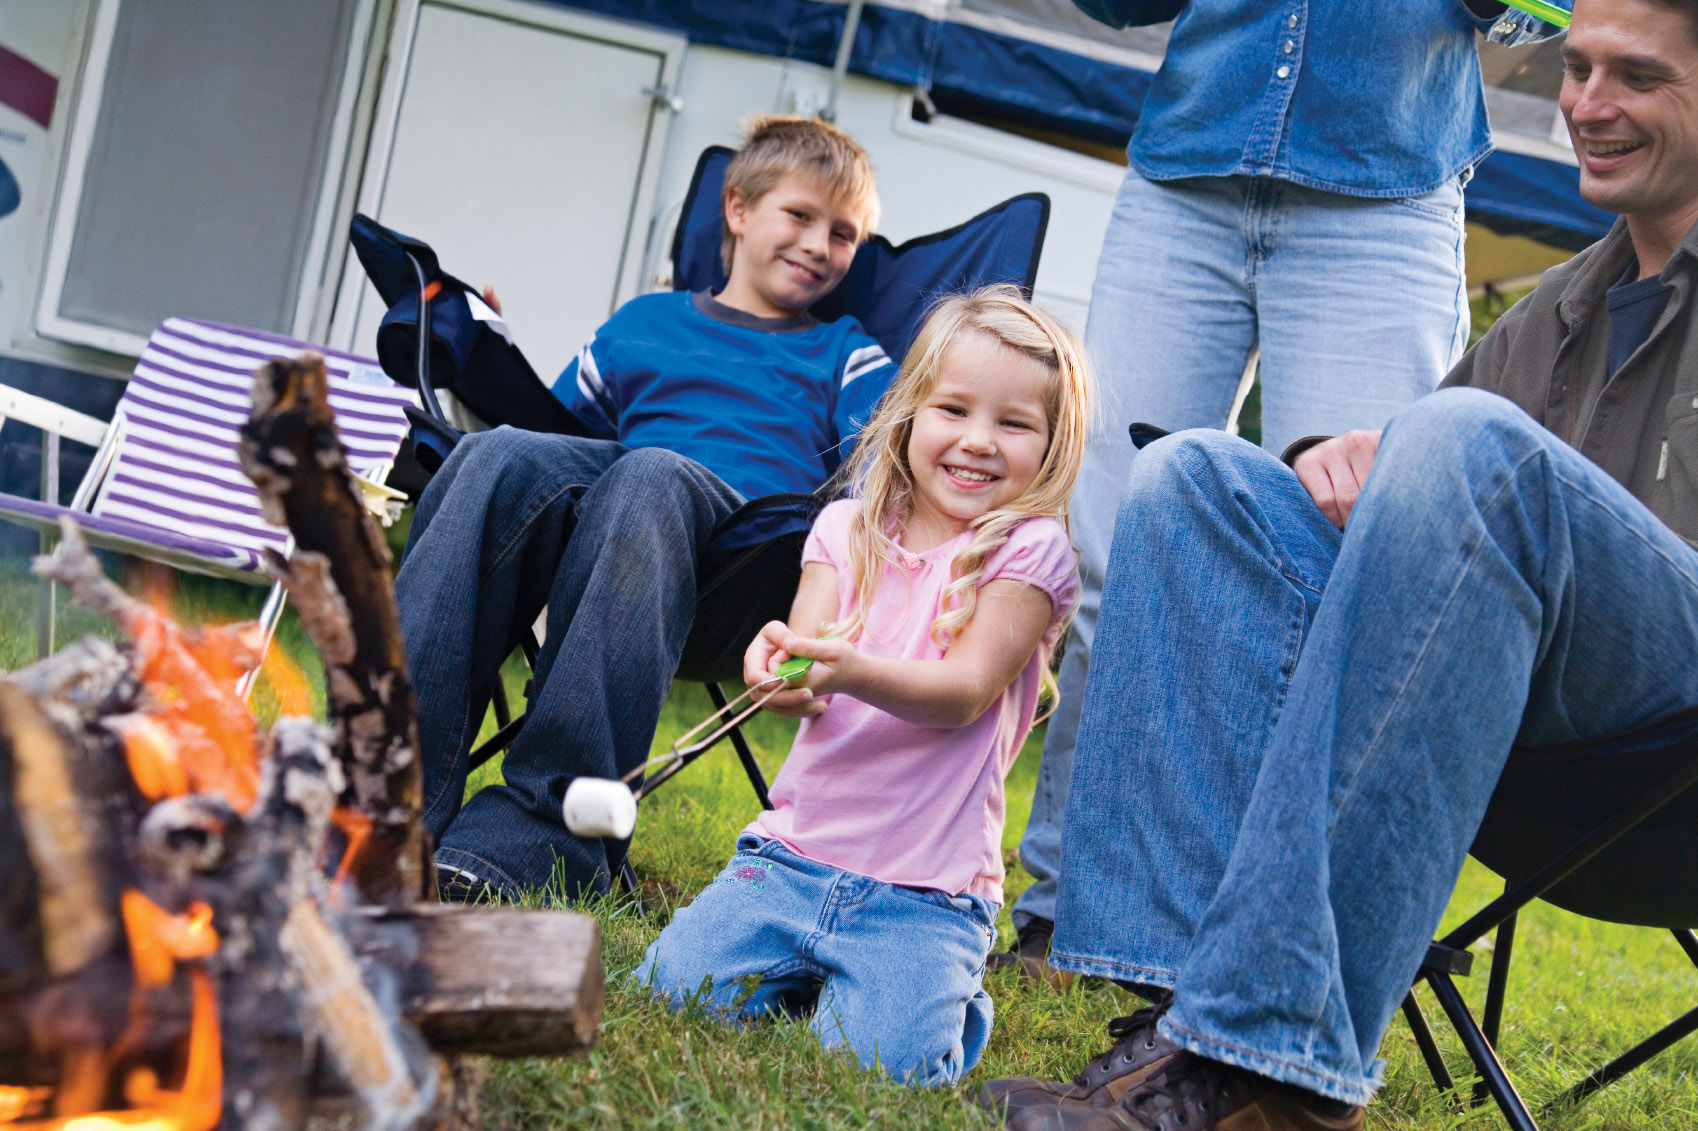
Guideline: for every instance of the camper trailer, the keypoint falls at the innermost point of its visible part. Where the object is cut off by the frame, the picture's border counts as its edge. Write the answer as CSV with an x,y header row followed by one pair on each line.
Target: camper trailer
x,y
167,157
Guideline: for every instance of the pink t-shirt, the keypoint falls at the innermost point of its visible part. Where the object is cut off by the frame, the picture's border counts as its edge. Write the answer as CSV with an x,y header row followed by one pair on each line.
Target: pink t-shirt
x,y
907,804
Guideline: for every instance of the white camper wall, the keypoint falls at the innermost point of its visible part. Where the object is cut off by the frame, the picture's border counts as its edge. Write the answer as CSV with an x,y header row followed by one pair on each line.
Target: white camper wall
x,y
47,33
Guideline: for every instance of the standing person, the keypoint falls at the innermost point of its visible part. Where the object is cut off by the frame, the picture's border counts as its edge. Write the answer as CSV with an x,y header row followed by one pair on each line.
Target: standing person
x,y
1308,679
1295,186
697,402
874,881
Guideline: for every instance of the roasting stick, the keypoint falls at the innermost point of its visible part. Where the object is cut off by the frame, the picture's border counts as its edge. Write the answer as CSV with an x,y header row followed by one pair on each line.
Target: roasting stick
x,y
604,807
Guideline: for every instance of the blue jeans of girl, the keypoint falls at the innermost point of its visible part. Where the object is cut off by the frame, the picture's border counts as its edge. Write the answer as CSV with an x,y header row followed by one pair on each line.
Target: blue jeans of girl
x,y
893,973
1290,734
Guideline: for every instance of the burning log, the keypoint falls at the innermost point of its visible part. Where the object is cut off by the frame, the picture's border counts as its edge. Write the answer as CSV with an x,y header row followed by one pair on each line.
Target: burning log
x,y
171,953
291,450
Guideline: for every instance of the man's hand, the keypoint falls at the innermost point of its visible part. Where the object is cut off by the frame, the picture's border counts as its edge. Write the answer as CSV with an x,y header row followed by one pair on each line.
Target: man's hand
x,y
1334,471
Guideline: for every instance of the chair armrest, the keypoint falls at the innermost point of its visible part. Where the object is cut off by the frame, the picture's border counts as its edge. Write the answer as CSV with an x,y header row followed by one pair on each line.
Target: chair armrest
x,y
51,416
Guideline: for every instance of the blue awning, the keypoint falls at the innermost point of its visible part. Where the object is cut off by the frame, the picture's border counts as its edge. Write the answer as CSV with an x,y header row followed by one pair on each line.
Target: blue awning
x,y
973,71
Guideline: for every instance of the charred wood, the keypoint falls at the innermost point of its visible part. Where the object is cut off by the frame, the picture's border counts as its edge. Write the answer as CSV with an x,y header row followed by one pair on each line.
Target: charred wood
x,y
340,580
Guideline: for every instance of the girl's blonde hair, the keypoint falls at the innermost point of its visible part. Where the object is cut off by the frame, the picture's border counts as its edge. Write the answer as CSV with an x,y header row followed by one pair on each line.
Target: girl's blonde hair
x,y
884,480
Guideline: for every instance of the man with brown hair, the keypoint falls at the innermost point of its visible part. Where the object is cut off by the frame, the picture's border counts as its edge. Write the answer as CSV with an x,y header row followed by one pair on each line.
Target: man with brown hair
x,y
1307,678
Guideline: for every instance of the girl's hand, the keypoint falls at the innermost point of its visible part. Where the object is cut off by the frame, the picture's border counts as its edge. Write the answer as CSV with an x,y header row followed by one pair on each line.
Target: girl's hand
x,y
765,653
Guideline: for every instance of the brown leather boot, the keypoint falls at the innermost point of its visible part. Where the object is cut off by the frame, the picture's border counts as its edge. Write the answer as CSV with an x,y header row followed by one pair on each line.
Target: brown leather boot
x,y
1030,955
1190,1093
1138,1051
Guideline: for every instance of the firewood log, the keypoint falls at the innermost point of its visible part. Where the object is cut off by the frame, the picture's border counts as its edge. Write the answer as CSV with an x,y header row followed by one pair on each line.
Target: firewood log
x,y
291,451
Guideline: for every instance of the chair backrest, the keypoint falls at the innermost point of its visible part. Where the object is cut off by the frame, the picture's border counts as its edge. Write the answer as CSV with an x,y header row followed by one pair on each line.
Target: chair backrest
x,y
888,288
1548,798
175,467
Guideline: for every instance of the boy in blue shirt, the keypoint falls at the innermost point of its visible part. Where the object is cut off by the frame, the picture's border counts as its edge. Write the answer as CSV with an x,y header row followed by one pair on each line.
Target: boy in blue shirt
x,y
697,402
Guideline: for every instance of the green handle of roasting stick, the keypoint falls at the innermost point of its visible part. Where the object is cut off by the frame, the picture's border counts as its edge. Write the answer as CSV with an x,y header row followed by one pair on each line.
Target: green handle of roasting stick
x,y
796,667
1544,9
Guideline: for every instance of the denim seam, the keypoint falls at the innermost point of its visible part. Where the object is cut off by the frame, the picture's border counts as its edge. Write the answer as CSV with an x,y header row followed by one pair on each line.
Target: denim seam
x,y
1347,794
1305,1071
1311,1017
520,528
1096,967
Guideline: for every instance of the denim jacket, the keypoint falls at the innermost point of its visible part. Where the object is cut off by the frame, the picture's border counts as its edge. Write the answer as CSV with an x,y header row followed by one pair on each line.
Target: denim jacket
x,y
1378,98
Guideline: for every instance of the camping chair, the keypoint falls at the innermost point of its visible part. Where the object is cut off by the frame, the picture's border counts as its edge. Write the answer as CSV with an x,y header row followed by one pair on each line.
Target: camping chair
x,y
756,551
1605,829
165,483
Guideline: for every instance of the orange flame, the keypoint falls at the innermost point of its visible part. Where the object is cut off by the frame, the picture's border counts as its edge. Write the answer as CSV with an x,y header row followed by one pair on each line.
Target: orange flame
x,y
202,737
15,1103
158,940
356,826
294,693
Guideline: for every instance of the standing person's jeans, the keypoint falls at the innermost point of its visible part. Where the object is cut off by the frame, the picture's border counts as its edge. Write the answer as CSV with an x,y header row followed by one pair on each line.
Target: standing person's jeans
x,y
1290,734
609,539
896,970
1358,306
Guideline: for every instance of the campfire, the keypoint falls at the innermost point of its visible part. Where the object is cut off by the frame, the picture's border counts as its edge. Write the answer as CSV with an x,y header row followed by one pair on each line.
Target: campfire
x,y
172,954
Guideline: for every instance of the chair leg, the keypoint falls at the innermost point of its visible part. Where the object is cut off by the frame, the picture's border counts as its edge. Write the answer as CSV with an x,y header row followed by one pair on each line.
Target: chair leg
x,y
1480,1051
503,713
1491,1018
757,780
497,742
1663,1038
270,615
1423,1035
45,620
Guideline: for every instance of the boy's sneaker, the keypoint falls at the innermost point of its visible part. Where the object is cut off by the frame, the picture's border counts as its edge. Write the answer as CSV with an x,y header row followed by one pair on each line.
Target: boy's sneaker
x,y
1139,1051
456,885
1030,954
1191,1093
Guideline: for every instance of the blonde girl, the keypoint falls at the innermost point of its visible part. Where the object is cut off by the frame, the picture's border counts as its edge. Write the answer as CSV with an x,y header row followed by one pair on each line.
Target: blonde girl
x,y
929,604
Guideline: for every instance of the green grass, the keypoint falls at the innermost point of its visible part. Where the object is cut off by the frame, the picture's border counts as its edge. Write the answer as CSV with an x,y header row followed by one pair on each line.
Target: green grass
x,y
1580,991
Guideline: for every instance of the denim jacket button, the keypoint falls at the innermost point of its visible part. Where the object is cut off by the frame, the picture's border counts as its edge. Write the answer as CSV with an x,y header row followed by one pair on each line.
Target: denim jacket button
x,y
1284,72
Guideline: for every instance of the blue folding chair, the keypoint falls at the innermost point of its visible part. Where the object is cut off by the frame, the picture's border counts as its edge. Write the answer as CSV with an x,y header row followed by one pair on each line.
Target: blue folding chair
x,y
754,560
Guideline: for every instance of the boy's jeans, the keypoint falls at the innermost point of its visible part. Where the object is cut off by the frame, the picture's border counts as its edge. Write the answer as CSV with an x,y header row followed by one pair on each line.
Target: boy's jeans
x,y
609,538
1290,735
1193,275
896,970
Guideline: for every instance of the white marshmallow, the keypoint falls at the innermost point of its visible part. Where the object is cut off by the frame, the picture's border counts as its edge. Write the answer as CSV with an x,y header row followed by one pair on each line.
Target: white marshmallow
x,y
599,807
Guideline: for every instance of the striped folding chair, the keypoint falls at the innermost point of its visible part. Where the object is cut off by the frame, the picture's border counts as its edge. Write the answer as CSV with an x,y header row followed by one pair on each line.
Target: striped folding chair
x,y
165,483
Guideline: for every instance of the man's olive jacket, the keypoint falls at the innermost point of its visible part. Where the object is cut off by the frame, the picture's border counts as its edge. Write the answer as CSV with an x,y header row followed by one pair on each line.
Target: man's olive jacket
x,y
1549,354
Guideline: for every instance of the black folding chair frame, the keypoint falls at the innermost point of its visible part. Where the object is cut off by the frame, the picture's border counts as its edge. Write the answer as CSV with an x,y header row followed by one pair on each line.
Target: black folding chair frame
x,y
1449,958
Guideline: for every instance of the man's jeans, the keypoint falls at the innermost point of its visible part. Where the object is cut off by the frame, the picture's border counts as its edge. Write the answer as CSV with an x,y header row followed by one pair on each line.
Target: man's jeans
x,y
1193,275
609,539
896,970
1290,735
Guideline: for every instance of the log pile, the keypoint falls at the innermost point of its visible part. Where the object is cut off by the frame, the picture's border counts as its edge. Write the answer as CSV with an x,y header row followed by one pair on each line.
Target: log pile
x,y
171,951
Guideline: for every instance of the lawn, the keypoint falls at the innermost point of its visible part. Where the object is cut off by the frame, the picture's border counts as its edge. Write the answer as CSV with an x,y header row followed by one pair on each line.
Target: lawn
x,y
1580,991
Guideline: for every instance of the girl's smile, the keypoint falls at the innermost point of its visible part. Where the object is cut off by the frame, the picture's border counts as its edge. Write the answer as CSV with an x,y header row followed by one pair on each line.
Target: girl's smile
x,y
978,439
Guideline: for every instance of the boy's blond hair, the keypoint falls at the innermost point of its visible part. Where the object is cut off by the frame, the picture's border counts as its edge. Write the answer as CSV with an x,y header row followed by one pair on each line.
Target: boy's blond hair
x,y
884,481
779,144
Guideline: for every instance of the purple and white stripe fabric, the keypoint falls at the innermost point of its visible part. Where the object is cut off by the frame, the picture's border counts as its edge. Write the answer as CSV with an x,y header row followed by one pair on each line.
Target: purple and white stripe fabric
x,y
176,470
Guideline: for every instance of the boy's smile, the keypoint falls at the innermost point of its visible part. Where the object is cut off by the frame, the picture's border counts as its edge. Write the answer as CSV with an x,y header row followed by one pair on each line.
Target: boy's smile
x,y
978,440
794,244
